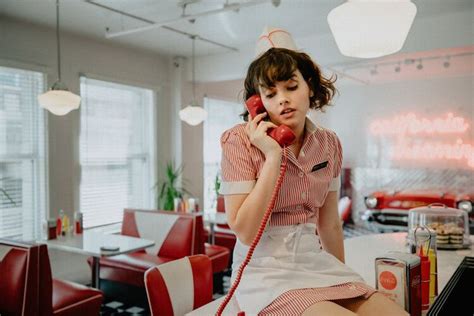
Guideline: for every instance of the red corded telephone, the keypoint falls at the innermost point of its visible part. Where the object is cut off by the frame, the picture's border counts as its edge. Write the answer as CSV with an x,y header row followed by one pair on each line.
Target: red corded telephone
x,y
285,137
282,134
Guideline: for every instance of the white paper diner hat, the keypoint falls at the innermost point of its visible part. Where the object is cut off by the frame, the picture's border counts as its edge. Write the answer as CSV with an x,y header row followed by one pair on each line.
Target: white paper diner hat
x,y
274,37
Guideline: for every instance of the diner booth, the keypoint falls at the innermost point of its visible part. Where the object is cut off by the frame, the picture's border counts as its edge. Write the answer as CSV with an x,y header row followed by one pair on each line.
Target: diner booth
x,y
112,197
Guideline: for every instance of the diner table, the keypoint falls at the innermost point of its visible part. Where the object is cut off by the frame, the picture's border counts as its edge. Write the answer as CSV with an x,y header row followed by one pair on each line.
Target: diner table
x,y
97,245
360,254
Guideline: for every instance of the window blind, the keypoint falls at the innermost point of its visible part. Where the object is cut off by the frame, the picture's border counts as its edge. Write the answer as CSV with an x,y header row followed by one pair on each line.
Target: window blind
x,y
222,115
116,150
23,185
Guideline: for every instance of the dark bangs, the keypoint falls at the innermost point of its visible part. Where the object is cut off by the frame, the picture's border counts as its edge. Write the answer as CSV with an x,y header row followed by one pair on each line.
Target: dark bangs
x,y
274,68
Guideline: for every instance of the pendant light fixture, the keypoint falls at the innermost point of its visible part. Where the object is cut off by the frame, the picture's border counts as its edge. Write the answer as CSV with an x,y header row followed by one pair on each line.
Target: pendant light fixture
x,y
193,114
58,100
371,28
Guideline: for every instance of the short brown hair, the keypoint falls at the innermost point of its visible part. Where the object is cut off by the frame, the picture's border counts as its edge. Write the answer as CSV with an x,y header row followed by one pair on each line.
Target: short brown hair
x,y
279,64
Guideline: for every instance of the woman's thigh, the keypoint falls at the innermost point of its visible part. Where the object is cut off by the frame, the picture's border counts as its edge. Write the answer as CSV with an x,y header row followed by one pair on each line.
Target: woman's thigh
x,y
377,304
327,308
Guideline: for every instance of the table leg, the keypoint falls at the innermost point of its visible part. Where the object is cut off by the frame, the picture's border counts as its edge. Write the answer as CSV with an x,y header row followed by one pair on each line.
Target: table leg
x,y
212,238
95,272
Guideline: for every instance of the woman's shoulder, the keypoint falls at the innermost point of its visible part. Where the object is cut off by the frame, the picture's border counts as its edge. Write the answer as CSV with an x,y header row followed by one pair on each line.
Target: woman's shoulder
x,y
235,133
327,134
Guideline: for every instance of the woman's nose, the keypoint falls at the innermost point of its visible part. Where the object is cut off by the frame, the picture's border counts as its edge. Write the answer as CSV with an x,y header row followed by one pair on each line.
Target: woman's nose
x,y
283,99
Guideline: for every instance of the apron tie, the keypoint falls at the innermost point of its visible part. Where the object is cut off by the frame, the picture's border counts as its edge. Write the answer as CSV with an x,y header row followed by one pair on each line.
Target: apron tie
x,y
292,240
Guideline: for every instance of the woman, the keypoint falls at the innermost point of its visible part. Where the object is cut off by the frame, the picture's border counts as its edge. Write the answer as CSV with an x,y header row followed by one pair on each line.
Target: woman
x,y
298,266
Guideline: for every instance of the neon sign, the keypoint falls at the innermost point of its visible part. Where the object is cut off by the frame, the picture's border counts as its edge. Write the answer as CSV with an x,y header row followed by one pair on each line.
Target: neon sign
x,y
424,147
410,124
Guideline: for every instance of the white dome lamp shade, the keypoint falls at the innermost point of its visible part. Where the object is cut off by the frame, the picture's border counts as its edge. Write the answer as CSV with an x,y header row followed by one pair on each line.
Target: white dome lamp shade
x,y
193,114
371,28
58,100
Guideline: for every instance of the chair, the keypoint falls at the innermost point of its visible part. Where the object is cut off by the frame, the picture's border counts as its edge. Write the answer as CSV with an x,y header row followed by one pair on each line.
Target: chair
x,y
19,279
180,286
344,209
223,235
27,287
176,235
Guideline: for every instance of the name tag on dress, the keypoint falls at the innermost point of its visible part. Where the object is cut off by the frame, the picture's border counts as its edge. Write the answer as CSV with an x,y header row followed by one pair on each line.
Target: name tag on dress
x,y
319,166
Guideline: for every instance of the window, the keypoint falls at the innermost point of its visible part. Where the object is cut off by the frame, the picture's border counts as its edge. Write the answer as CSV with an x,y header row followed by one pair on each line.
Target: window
x,y
222,115
116,150
22,154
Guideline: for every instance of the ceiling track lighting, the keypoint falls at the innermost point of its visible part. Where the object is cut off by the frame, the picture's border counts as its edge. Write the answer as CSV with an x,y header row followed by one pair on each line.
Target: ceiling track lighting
x,y
226,7
397,65
149,22
58,100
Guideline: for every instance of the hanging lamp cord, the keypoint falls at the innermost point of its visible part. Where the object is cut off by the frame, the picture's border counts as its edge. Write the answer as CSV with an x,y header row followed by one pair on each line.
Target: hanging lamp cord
x,y
57,40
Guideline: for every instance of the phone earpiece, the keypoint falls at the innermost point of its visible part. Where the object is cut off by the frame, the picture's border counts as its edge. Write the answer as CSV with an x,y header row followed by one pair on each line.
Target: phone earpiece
x,y
282,134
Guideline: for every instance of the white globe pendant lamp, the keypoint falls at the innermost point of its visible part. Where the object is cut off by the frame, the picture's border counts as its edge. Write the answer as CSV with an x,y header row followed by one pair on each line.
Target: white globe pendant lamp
x,y
58,100
193,114
371,28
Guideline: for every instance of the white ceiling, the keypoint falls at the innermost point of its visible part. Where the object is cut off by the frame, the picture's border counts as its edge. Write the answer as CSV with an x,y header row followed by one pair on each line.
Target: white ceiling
x,y
303,18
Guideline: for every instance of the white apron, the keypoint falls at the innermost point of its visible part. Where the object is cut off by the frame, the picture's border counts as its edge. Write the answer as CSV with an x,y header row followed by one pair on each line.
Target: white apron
x,y
286,258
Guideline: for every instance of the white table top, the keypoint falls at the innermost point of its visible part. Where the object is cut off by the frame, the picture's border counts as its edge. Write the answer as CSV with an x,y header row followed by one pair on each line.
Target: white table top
x,y
360,254
211,216
90,242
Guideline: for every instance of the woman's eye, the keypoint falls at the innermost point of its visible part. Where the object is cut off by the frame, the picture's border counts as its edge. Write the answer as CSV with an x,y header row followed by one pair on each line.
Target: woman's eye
x,y
293,88
270,95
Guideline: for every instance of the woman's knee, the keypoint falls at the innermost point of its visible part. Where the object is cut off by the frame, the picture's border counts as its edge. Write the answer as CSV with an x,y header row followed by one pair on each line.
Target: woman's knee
x,y
376,304
327,308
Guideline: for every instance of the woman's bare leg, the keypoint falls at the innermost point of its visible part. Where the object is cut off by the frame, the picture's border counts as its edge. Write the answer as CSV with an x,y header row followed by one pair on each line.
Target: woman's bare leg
x,y
327,308
377,304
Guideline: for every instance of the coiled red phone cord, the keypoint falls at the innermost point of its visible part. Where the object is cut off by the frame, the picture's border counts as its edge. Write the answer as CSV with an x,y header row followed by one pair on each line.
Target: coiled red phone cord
x,y
257,238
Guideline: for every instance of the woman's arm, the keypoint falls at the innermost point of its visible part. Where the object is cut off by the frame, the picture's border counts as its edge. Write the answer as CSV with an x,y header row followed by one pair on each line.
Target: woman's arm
x,y
245,211
330,227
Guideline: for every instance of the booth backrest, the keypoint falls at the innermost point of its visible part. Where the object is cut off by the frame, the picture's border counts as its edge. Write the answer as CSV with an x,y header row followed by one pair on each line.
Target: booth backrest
x,y
176,235
19,287
46,281
179,286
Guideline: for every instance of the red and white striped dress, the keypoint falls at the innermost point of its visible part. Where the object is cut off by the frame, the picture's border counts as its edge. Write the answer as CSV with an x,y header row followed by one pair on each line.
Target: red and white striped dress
x,y
308,179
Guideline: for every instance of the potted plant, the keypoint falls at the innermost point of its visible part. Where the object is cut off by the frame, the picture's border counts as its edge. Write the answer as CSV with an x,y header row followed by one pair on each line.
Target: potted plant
x,y
168,187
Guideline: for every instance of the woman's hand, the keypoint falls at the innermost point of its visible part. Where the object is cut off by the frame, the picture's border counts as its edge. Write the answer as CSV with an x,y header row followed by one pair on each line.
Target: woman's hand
x,y
256,130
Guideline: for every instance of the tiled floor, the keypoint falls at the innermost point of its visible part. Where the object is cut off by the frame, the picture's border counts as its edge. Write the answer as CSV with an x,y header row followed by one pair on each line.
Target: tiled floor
x,y
116,308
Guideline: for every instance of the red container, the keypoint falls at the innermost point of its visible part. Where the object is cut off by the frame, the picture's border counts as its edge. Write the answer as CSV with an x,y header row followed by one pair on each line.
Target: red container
x,y
52,234
78,227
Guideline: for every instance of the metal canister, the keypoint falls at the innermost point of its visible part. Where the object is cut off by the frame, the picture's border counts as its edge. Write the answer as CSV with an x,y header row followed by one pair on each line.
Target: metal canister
x,y
398,276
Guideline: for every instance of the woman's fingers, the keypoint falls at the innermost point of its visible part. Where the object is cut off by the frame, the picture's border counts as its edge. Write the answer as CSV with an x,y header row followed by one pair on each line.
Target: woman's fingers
x,y
252,124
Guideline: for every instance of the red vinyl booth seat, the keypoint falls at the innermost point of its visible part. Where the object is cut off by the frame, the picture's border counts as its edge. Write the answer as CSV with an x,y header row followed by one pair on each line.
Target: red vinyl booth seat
x,y
19,280
27,287
223,236
185,237
188,278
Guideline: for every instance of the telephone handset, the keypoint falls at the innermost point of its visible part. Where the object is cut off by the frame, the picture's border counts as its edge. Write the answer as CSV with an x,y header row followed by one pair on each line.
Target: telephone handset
x,y
282,134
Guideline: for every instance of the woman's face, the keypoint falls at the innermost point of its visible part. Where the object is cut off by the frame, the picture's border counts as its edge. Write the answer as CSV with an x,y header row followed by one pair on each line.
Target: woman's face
x,y
288,101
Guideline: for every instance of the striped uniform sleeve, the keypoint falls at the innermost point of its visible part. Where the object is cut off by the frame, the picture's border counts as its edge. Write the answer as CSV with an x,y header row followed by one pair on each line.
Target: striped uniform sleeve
x,y
337,156
238,170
